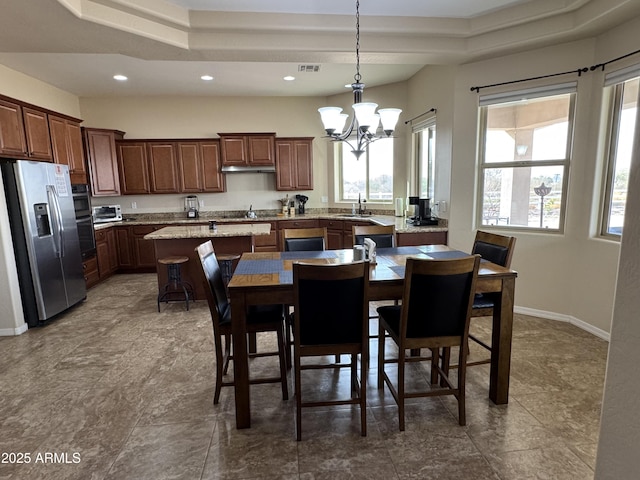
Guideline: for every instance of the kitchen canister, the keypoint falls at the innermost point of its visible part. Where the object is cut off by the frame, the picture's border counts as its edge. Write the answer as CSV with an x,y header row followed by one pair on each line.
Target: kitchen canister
x,y
399,207
358,253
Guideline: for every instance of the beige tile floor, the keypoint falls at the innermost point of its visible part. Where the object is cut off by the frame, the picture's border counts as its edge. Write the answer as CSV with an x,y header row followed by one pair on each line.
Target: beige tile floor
x,y
129,391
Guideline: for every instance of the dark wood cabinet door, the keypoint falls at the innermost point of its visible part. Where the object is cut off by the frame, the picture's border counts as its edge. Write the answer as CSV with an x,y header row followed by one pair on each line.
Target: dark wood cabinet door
x,y
189,163
294,164
12,138
132,164
234,150
304,164
112,246
213,180
261,149
163,167
66,143
144,252
36,128
285,165
123,242
100,148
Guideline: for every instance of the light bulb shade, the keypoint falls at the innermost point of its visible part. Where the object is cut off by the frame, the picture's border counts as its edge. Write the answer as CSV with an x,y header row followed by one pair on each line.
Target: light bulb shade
x,y
340,123
389,118
332,119
375,124
364,113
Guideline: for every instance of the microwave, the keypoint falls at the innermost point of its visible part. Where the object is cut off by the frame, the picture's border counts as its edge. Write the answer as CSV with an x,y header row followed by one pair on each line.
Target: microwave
x,y
107,213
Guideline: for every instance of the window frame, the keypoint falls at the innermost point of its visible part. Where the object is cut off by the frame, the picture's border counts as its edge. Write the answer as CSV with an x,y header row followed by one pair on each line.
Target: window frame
x,y
339,146
613,100
483,166
418,132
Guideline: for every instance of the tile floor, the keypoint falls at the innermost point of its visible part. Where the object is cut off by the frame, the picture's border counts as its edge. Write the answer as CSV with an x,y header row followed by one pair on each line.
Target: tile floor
x,y
119,391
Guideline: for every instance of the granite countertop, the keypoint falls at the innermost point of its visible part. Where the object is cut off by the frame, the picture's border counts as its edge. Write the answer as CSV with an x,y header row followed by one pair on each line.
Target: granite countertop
x,y
400,223
203,231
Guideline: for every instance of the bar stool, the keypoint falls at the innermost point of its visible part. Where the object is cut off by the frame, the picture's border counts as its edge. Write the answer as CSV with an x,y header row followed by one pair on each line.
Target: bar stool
x,y
226,266
175,287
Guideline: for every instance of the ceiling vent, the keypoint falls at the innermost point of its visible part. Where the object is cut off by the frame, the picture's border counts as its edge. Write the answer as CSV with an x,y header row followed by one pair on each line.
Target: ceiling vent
x,y
309,68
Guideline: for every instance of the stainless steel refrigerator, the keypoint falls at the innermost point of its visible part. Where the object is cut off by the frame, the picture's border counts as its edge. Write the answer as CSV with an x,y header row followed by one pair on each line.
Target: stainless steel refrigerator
x,y
45,238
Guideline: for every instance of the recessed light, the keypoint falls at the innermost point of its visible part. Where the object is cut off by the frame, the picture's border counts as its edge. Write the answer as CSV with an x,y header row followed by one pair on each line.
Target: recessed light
x,y
120,78
289,78
206,78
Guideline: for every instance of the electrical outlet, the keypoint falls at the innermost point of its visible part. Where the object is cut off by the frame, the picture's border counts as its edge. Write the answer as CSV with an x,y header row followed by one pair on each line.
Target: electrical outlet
x,y
442,206
325,199
201,203
134,205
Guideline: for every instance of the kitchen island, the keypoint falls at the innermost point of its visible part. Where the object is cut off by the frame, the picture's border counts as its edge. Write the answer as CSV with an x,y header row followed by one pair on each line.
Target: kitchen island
x,y
182,240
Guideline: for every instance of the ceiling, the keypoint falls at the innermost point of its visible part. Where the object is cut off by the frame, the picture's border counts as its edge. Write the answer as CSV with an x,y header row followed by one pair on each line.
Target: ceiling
x,y
248,46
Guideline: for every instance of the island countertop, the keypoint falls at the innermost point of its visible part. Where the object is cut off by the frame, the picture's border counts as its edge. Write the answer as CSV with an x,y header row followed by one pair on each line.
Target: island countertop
x,y
203,231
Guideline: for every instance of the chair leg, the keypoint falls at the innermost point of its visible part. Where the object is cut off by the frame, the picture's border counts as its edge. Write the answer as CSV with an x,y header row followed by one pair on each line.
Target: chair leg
x,y
381,344
221,359
283,362
462,373
445,363
364,372
298,393
401,357
435,356
227,354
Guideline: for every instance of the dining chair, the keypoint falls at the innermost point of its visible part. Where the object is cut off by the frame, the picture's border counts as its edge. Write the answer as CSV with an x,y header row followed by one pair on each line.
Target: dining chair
x,y
304,239
384,236
260,318
497,249
331,317
300,240
435,313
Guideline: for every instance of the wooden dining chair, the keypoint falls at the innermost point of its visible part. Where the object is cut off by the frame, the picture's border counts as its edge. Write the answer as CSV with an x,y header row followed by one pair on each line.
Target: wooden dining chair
x,y
304,239
383,235
260,318
331,317
300,240
497,249
435,314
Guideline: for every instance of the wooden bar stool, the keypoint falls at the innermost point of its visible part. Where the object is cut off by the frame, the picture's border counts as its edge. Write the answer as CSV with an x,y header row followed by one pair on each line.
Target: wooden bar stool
x,y
175,290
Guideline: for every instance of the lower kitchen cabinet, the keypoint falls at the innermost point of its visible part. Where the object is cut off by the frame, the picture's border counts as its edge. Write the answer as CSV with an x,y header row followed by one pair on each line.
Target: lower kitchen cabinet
x,y
90,271
106,252
422,238
335,234
267,243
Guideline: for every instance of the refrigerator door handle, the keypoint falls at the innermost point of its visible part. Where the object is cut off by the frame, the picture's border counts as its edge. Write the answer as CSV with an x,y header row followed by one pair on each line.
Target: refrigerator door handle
x,y
53,200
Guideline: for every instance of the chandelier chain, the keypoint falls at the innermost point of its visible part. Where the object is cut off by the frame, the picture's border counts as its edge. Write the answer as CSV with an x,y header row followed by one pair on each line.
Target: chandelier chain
x,y
357,77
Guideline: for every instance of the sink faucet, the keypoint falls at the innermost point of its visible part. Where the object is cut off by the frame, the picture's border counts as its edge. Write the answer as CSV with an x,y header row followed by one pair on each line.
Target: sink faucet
x,y
361,207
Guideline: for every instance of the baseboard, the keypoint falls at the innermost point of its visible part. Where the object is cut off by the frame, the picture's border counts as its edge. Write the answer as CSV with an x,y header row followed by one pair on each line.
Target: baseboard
x,y
10,332
564,318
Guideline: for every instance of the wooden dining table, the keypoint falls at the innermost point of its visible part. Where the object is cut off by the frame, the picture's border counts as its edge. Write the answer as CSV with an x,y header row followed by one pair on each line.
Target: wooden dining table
x,y
267,278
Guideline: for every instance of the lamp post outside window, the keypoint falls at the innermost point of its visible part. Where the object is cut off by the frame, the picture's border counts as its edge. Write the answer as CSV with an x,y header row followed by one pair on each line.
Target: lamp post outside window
x,y
542,191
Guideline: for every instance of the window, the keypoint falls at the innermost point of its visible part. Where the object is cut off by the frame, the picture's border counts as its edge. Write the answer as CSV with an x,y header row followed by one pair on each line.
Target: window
x,y
370,177
623,99
424,135
525,148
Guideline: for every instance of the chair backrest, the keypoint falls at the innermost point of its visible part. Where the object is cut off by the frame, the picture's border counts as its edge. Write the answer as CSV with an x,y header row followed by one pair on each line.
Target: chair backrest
x,y
384,236
213,284
438,297
495,248
304,239
331,303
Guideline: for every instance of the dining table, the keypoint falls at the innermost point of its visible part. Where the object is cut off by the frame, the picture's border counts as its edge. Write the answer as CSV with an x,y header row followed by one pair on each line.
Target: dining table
x,y
266,278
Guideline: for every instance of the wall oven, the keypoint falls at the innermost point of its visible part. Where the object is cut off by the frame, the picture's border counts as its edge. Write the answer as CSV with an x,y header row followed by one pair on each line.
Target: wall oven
x,y
84,220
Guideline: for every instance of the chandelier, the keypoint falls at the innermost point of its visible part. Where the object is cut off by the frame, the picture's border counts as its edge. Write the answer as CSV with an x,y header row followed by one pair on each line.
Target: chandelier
x,y
365,121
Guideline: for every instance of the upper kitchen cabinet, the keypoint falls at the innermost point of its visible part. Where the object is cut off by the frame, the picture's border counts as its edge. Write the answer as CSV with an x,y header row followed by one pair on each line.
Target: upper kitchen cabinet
x,y
24,132
36,129
66,142
163,167
12,138
247,149
134,171
100,148
294,163
199,164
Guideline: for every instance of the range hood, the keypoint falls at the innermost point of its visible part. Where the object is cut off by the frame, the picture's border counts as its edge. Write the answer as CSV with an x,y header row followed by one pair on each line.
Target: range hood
x,y
249,169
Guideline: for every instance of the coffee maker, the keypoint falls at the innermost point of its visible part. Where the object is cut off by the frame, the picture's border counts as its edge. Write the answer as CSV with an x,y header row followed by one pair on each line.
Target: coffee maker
x,y
422,215
302,199
191,205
